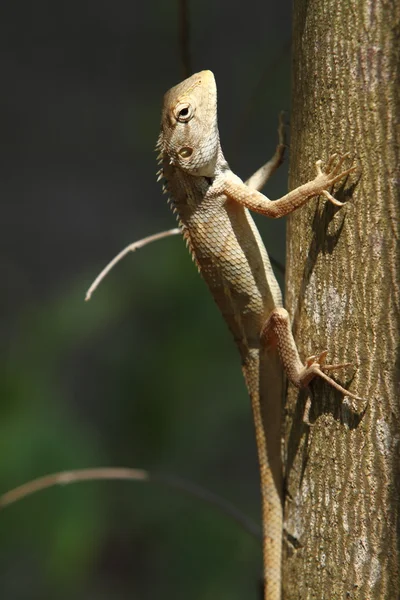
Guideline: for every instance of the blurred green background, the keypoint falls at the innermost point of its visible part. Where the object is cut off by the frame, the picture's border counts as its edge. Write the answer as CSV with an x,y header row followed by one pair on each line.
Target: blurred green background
x,y
145,375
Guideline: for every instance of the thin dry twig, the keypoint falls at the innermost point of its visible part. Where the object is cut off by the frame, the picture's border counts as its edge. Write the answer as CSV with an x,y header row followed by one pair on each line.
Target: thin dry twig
x,y
184,37
66,477
127,474
124,252
242,122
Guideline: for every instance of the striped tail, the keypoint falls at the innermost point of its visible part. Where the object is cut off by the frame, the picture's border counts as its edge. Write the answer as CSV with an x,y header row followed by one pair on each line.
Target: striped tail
x,y
263,375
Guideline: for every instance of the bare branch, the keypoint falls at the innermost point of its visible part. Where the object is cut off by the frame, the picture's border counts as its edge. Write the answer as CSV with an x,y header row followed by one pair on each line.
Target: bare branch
x,y
124,252
265,78
122,473
65,477
184,37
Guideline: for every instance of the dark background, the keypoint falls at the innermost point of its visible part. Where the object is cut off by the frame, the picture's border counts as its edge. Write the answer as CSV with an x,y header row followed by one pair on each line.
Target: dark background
x,y
146,374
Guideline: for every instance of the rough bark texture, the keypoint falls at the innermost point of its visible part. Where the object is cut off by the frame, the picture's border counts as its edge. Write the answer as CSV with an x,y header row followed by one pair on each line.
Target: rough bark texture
x,y
343,472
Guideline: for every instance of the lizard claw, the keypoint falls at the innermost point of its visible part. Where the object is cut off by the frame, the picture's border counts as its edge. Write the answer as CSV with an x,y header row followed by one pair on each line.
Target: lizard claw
x,y
331,161
317,358
318,167
332,199
320,361
341,160
321,372
316,365
310,360
331,174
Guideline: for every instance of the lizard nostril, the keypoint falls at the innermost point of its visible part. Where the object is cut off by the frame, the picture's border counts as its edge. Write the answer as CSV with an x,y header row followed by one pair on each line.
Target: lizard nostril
x,y
185,152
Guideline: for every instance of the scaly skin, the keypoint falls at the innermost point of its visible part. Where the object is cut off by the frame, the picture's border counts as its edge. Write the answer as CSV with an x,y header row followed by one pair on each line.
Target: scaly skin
x,y
212,205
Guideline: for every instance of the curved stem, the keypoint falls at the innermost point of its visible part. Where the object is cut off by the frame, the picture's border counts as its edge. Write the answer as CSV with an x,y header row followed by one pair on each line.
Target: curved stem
x,y
127,474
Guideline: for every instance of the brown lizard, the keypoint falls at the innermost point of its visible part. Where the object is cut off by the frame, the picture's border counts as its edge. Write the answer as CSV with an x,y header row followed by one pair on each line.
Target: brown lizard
x,y
212,206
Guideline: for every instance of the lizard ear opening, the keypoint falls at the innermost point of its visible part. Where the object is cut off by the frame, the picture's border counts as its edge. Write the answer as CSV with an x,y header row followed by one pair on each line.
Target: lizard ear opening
x,y
185,152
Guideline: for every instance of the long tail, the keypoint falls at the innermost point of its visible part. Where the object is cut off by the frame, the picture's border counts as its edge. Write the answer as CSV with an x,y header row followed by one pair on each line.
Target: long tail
x,y
263,377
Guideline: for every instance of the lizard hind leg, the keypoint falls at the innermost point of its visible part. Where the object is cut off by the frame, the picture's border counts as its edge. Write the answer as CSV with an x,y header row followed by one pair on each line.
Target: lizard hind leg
x,y
277,333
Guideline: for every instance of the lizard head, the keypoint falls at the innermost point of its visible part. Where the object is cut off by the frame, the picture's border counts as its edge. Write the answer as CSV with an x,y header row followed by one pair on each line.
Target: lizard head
x,y
189,136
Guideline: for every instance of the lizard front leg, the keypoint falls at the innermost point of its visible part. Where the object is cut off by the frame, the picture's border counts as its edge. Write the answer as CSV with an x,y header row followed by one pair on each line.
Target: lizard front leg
x,y
253,200
277,333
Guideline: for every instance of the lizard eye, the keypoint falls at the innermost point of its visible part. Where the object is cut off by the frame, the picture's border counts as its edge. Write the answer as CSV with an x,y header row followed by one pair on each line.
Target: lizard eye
x,y
183,112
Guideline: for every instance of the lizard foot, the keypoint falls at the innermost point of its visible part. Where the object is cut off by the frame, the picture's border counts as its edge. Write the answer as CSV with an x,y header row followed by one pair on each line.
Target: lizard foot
x,y
321,360
316,365
277,332
331,174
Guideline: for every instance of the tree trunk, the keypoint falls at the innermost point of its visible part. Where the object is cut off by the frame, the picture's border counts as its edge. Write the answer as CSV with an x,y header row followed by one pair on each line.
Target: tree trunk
x,y
343,470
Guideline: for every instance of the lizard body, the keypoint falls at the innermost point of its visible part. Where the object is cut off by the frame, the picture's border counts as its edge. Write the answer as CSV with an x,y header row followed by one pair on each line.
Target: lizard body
x,y
212,205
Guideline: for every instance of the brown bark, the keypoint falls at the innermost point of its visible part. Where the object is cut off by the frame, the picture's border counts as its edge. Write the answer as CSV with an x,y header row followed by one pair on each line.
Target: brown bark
x,y
343,472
